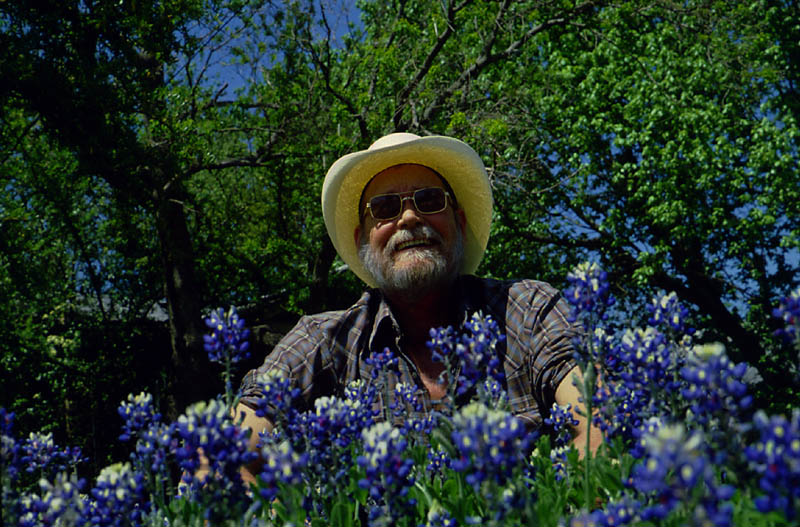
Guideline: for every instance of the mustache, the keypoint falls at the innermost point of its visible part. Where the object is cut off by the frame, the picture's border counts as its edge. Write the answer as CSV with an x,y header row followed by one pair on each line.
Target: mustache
x,y
419,232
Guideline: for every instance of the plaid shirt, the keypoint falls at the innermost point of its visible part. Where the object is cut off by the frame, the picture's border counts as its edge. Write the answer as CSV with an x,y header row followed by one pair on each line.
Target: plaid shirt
x,y
326,351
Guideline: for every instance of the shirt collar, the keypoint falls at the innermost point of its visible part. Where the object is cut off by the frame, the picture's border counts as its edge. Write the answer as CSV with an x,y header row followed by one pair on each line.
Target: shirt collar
x,y
386,328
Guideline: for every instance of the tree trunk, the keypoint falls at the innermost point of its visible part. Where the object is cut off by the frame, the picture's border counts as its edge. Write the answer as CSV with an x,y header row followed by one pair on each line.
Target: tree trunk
x,y
191,378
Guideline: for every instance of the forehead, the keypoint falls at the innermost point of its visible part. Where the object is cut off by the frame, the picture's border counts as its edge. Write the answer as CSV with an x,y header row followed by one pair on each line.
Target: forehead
x,y
402,178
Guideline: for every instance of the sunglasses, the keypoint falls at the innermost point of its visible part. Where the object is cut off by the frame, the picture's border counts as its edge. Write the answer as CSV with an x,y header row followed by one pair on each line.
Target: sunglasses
x,y
426,200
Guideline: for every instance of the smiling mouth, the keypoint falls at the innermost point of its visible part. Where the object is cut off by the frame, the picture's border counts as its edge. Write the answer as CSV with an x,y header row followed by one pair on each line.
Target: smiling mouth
x,y
413,243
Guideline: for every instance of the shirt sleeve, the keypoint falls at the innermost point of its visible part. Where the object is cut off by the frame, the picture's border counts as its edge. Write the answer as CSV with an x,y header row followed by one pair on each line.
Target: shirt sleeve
x,y
540,348
301,356
553,339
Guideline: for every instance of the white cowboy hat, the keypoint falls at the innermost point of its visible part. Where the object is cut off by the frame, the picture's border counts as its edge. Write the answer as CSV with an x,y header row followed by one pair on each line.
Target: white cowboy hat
x,y
457,163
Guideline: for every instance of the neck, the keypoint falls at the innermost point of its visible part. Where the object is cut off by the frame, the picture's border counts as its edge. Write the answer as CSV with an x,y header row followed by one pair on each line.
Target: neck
x,y
417,314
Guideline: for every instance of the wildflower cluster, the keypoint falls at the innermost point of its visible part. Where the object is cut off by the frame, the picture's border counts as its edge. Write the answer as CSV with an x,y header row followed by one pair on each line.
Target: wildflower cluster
x,y
588,292
775,456
40,454
561,420
138,414
228,338
677,418
789,312
208,430
387,472
675,470
489,443
714,385
666,309
120,497
472,353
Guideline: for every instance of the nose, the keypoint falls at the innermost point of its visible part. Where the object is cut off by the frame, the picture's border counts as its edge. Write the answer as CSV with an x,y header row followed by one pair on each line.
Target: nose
x,y
409,216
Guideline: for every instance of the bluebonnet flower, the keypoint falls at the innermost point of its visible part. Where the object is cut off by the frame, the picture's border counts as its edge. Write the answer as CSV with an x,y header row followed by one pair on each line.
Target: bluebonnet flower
x,y
58,503
438,517
561,420
588,292
618,513
338,421
406,408
644,384
789,312
228,338
405,397
558,457
277,398
490,444
326,434
210,427
387,473
438,461
714,384
153,447
10,459
776,458
41,454
646,354
667,311
137,414
675,470
382,361
493,394
472,353
281,465
119,497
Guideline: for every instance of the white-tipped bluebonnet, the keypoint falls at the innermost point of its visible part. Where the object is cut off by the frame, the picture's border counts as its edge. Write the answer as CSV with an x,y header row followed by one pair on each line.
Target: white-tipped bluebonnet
x,y
281,464
618,513
588,293
438,461
10,448
387,473
643,384
137,413
438,517
714,384
676,470
489,443
558,457
59,503
775,457
277,398
228,338
326,434
561,421
338,421
40,454
209,426
119,498
668,312
472,353
381,362
789,312
154,446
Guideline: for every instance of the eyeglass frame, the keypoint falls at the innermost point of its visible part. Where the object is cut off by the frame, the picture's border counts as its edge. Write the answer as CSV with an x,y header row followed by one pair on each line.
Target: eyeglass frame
x,y
406,196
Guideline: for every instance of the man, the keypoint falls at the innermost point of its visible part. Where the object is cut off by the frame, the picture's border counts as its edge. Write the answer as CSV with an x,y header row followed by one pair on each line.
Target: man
x,y
410,216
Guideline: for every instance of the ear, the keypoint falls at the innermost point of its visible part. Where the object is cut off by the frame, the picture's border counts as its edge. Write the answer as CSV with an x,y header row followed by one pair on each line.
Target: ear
x,y
461,219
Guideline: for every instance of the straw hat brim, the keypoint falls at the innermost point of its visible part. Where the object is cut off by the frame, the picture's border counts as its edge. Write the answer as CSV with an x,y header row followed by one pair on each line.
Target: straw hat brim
x,y
456,161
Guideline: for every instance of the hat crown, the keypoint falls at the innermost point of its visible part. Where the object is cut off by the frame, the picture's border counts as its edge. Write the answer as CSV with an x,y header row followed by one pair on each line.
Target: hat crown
x,y
392,140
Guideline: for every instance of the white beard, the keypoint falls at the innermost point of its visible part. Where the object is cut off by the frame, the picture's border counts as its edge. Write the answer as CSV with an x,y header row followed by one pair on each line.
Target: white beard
x,y
416,271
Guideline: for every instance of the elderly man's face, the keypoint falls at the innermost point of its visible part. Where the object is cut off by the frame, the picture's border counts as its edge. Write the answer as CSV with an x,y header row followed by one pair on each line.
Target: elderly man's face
x,y
413,252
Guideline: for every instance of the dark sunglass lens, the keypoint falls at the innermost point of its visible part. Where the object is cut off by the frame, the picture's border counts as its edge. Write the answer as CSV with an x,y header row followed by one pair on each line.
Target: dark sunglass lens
x,y
385,207
430,200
